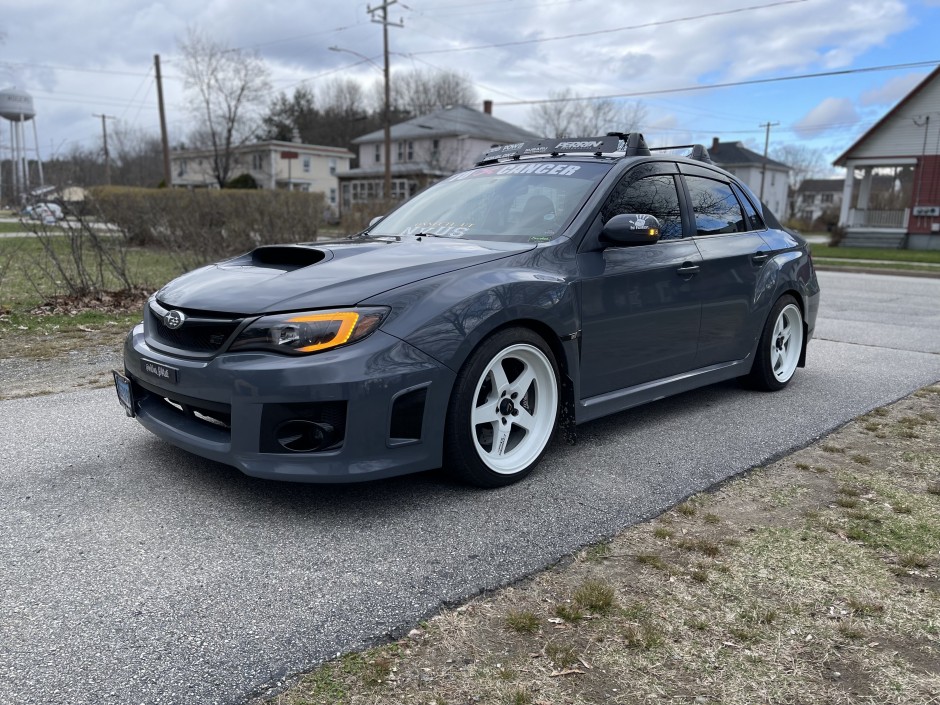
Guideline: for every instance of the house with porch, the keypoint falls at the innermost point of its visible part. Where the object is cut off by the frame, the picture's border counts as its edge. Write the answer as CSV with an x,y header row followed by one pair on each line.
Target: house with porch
x,y
907,137
425,149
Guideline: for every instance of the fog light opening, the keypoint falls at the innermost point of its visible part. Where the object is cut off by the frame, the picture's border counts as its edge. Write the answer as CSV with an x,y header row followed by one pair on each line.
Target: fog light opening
x,y
301,436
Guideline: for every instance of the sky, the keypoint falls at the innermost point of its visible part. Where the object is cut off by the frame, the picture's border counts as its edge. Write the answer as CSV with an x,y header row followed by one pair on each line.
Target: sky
x,y
82,59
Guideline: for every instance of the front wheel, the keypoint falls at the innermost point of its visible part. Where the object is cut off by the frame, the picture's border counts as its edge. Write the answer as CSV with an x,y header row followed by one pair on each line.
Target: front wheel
x,y
503,409
780,346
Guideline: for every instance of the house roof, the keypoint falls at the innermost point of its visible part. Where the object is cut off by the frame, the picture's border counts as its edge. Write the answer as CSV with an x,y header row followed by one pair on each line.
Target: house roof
x,y
821,185
272,145
450,122
841,159
736,154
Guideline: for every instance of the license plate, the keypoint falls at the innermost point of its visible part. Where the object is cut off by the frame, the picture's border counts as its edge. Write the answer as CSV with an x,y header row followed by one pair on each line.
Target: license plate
x,y
124,392
164,373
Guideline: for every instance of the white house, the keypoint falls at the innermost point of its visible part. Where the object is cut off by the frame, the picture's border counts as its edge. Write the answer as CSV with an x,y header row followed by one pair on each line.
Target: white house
x,y
273,164
768,178
424,149
907,136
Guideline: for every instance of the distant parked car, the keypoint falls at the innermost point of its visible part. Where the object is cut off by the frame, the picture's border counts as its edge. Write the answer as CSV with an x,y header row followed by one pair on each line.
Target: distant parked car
x,y
45,212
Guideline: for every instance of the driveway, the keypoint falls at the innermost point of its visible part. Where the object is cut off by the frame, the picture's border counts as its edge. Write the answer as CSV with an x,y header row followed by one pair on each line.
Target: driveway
x,y
135,573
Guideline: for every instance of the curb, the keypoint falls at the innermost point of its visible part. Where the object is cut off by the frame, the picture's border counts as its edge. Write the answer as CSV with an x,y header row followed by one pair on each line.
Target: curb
x,y
871,270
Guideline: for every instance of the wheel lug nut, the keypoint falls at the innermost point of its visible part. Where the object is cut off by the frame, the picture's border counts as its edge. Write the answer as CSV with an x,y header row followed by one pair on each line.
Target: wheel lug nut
x,y
503,420
514,395
515,412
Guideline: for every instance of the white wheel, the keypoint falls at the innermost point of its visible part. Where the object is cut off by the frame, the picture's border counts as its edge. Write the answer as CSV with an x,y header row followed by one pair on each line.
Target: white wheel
x,y
503,409
514,408
780,346
786,344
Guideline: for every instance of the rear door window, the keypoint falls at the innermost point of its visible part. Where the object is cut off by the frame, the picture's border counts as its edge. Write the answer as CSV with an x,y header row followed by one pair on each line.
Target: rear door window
x,y
754,221
716,208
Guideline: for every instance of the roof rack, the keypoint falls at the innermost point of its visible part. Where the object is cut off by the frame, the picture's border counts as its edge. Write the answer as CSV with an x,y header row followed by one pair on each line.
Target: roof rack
x,y
699,153
629,144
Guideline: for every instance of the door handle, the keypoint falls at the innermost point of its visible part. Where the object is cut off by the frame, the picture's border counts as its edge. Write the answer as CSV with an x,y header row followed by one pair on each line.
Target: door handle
x,y
687,269
760,257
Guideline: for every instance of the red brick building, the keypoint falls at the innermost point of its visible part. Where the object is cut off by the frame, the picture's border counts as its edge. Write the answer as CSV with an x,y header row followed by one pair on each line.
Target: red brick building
x,y
907,136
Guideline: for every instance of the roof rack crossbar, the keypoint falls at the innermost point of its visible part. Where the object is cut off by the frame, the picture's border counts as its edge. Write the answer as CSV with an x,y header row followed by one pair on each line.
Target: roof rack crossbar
x,y
699,152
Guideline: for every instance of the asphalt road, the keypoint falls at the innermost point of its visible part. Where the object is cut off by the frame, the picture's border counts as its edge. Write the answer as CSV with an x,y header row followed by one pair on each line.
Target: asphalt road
x,y
131,572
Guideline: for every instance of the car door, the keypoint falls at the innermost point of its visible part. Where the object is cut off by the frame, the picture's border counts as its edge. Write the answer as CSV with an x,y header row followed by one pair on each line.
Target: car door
x,y
733,253
640,305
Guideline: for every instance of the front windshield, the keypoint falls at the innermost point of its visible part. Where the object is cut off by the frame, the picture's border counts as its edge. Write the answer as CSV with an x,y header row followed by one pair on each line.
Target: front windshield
x,y
515,202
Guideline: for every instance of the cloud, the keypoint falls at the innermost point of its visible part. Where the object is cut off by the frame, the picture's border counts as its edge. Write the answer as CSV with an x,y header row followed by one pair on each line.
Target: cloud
x,y
831,114
892,91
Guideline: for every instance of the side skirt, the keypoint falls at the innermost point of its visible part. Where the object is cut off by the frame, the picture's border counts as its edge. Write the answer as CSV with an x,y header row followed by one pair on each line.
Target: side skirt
x,y
611,402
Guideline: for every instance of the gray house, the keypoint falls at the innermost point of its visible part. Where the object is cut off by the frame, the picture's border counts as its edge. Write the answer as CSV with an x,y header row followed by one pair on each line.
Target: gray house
x,y
752,168
425,149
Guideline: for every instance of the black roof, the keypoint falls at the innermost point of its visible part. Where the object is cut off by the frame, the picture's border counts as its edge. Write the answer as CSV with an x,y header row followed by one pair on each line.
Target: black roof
x,y
735,153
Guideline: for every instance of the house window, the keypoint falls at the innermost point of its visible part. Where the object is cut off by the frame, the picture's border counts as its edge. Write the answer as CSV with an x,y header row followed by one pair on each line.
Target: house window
x,y
401,151
257,161
773,178
826,198
182,168
411,151
306,164
332,166
435,149
332,196
378,153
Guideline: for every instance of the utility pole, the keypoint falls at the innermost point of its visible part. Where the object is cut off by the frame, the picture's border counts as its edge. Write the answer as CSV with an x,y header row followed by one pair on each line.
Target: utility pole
x,y
107,156
383,20
763,171
167,176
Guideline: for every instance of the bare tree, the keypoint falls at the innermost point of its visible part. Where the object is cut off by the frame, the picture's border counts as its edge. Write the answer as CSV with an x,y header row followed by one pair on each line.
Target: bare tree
x,y
805,162
419,92
569,115
225,87
138,156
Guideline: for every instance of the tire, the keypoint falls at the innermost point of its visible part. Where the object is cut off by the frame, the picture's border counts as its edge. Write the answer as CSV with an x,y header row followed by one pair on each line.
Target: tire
x,y
780,346
503,410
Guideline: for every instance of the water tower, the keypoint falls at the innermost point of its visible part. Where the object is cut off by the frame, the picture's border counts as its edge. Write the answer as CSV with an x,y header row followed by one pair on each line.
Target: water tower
x,y
16,106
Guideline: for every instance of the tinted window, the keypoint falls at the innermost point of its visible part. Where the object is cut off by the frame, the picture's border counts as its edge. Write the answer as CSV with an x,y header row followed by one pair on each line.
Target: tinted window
x,y
652,195
716,208
753,219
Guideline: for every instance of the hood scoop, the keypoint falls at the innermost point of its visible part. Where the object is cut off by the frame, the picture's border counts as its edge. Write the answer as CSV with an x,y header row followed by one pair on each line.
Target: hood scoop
x,y
286,258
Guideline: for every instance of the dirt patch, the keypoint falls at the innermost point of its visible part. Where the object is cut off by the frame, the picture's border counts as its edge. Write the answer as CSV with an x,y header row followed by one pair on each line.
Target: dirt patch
x,y
812,580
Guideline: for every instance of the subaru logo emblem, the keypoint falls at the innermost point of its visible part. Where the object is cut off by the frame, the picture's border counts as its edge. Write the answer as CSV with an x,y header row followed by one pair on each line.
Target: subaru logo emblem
x,y
174,319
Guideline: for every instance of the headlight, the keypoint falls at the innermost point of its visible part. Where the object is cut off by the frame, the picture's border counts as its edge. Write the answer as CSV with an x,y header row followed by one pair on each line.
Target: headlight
x,y
310,331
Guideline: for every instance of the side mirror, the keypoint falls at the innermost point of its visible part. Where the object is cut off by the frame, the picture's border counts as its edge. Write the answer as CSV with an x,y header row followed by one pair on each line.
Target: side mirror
x,y
632,229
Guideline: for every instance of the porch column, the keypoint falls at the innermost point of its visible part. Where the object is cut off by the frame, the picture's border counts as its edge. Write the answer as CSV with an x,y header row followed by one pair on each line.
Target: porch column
x,y
847,189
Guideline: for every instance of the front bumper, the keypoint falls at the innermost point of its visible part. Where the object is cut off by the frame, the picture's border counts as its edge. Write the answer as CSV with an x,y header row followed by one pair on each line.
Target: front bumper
x,y
392,397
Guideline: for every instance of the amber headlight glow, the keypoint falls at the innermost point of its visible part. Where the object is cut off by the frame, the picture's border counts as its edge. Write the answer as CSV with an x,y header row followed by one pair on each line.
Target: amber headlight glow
x,y
309,331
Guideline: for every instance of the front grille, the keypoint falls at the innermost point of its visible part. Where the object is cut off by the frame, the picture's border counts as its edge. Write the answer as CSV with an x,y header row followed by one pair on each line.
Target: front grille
x,y
213,414
201,332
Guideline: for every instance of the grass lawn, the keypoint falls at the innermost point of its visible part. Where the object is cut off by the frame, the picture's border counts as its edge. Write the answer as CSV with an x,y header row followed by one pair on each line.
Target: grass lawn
x,y
865,253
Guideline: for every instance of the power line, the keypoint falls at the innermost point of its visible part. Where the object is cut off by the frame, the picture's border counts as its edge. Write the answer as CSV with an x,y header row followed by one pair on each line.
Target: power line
x,y
596,32
731,84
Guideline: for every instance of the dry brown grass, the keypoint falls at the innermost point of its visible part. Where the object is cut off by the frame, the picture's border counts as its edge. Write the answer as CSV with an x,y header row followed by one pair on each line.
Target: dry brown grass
x,y
811,588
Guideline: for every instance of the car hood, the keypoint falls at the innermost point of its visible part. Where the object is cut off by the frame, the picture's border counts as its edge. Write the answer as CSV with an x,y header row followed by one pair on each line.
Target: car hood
x,y
342,273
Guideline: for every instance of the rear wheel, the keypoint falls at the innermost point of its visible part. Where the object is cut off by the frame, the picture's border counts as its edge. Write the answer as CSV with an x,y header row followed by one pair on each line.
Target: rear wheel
x,y
503,409
778,352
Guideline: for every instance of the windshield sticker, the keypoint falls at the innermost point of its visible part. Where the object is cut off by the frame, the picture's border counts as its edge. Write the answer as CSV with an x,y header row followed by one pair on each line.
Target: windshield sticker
x,y
551,169
439,229
540,238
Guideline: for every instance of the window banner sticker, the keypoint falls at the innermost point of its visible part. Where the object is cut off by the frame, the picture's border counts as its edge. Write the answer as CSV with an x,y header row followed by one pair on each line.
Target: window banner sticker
x,y
440,229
